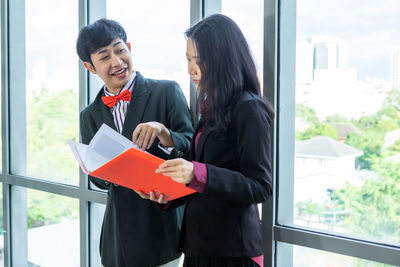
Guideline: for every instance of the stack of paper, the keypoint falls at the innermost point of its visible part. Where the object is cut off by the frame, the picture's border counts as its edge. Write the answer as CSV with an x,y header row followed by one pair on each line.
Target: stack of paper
x,y
112,157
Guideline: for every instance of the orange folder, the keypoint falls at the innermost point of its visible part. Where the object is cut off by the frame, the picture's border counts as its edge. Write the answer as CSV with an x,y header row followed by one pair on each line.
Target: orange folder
x,y
135,169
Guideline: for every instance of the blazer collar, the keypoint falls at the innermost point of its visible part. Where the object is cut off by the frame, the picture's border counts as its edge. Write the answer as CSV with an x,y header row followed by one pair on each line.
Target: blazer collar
x,y
200,143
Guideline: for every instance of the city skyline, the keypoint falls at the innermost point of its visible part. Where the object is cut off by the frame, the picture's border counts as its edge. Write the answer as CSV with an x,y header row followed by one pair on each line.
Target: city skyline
x,y
370,30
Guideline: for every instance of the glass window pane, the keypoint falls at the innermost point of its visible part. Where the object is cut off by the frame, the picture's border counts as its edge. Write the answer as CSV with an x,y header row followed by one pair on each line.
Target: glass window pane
x,y
347,152
51,89
96,221
53,230
307,257
249,15
155,30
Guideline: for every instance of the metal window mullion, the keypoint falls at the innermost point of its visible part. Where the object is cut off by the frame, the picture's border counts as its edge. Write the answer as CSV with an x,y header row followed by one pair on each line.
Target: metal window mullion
x,y
83,183
55,188
17,196
344,245
5,131
270,71
286,63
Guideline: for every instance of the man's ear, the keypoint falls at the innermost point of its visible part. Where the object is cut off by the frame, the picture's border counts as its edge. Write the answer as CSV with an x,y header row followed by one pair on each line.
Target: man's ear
x,y
89,66
129,46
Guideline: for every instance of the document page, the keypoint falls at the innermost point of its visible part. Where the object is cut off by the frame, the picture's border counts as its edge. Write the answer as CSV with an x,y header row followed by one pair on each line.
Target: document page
x,y
79,151
105,145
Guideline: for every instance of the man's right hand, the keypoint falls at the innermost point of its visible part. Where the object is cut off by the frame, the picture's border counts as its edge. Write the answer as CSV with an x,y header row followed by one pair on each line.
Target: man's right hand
x,y
145,133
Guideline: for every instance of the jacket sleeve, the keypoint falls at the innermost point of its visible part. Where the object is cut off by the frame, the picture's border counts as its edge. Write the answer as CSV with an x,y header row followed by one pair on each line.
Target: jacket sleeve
x,y
252,183
179,122
86,137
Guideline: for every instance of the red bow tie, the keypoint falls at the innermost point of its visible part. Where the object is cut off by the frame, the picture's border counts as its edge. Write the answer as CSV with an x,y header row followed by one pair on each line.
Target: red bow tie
x,y
110,101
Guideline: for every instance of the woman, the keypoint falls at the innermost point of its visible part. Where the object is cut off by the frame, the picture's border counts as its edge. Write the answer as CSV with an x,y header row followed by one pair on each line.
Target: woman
x,y
230,165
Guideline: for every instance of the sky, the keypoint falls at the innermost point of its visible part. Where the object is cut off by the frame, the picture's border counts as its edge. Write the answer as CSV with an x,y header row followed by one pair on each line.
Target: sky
x,y
371,29
156,30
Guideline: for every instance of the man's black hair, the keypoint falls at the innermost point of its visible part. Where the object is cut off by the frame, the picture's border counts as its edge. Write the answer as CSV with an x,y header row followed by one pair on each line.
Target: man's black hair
x,y
96,35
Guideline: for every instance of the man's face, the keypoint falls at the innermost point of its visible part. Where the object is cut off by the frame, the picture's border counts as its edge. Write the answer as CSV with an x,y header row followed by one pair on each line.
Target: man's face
x,y
113,64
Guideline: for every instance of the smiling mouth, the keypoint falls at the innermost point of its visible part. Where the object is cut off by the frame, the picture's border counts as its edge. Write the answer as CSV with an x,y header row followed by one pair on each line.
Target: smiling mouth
x,y
119,72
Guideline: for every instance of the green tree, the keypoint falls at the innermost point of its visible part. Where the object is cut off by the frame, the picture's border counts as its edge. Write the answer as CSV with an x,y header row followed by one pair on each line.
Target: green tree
x,y
336,118
306,113
318,129
370,142
52,118
375,206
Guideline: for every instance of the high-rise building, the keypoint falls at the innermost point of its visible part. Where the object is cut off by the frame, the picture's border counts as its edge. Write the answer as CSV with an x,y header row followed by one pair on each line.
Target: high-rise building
x,y
329,52
304,61
395,68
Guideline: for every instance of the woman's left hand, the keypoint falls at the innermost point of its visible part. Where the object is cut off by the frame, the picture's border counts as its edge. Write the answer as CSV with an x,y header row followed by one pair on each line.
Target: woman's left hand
x,y
179,170
153,196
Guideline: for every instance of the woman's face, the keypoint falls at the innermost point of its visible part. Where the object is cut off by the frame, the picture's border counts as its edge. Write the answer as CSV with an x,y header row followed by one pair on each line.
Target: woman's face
x,y
192,58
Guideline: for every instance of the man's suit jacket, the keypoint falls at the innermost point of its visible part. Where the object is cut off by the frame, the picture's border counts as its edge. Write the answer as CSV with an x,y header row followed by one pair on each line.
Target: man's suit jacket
x,y
223,221
135,231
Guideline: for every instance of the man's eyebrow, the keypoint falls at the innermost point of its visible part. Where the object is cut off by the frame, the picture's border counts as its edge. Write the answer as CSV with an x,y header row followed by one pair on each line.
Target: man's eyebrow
x,y
102,51
117,43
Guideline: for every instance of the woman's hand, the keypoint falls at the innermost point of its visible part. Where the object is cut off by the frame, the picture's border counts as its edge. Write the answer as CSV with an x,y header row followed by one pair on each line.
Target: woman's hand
x,y
145,133
179,170
153,197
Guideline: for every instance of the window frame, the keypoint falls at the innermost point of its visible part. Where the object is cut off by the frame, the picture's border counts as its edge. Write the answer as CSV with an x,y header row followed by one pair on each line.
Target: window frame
x,y
279,83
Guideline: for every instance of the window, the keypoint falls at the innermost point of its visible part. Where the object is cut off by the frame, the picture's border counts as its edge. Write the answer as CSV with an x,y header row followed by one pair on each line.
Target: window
x,y
334,73
347,118
303,256
337,130
53,230
156,32
51,89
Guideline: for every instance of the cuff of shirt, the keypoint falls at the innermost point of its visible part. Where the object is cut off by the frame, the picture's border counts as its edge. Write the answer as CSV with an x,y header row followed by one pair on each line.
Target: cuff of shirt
x,y
166,150
199,182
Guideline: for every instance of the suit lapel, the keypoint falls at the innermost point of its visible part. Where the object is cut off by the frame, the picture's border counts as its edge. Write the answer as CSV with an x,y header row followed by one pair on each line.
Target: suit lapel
x,y
136,107
200,144
102,112
193,142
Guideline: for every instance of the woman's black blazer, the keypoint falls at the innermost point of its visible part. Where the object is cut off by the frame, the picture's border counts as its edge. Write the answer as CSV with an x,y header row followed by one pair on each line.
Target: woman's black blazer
x,y
223,221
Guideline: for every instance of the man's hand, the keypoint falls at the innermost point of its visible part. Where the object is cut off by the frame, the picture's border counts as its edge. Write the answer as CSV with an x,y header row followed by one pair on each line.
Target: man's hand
x,y
145,134
179,170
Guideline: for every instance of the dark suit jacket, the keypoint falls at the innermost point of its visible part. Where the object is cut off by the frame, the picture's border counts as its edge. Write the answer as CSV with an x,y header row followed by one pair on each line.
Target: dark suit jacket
x,y
135,231
223,221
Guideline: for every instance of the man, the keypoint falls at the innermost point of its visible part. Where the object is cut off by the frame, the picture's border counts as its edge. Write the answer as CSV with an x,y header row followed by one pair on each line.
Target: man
x,y
155,115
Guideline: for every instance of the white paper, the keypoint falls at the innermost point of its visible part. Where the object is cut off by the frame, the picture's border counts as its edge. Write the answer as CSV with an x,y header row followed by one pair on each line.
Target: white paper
x,y
105,145
79,151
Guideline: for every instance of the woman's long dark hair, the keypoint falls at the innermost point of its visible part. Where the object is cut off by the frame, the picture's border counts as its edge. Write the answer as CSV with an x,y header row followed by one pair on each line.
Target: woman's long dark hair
x,y
227,69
